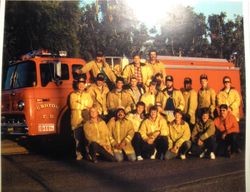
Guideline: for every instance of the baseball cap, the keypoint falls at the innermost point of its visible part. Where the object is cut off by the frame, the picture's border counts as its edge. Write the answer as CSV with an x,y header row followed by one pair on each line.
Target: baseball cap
x,y
169,78
100,77
187,80
81,80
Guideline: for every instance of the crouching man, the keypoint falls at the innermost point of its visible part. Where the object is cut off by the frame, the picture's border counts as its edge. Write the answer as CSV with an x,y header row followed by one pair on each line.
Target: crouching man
x,y
98,135
122,132
203,136
152,142
228,131
178,139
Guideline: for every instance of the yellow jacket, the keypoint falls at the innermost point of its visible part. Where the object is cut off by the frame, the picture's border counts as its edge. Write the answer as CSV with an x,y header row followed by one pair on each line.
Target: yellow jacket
x,y
99,98
122,99
191,103
148,127
178,134
232,99
206,98
96,68
146,72
80,102
121,130
149,100
203,131
157,67
178,99
136,119
99,133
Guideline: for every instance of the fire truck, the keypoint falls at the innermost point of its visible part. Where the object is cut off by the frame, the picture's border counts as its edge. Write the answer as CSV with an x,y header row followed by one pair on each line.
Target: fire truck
x,y
36,89
35,94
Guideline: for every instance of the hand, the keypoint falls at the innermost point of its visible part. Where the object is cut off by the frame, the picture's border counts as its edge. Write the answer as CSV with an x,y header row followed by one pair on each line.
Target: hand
x,y
122,144
174,149
156,134
223,136
78,71
150,140
200,142
117,146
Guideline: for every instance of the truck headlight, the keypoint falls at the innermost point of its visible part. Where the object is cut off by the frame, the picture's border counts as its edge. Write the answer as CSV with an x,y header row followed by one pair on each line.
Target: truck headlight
x,y
20,105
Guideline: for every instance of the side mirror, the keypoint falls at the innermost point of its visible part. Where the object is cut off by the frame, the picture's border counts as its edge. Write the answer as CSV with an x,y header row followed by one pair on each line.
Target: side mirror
x,y
58,69
58,72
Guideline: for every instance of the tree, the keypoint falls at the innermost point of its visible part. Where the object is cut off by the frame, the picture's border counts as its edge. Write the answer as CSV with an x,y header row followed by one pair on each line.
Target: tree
x,y
42,24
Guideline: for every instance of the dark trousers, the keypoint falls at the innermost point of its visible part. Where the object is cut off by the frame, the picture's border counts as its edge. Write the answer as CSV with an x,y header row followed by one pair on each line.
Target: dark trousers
x,y
95,148
144,149
229,145
79,141
209,144
185,147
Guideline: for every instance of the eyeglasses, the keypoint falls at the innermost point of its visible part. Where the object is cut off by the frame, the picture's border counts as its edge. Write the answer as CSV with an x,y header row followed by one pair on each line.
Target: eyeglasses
x,y
227,82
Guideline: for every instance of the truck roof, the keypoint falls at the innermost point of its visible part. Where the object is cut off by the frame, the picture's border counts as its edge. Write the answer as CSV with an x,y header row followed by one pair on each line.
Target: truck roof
x,y
195,61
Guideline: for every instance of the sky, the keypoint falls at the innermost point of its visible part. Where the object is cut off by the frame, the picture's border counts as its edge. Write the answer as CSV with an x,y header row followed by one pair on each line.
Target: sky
x,y
215,7
151,12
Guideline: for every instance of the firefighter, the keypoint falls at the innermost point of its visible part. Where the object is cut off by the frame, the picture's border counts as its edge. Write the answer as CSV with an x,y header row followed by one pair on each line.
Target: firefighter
x,y
98,137
137,117
203,136
179,137
80,102
159,78
149,97
118,97
122,133
155,65
141,71
170,99
206,97
97,66
228,131
98,92
230,96
152,140
134,91
191,102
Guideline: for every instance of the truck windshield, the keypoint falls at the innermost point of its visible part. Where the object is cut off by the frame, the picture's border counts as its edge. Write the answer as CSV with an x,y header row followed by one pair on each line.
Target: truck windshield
x,y
48,73
20,75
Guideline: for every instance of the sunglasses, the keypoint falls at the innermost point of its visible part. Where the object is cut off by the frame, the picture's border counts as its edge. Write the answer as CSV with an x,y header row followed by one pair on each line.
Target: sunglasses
x,y
227,82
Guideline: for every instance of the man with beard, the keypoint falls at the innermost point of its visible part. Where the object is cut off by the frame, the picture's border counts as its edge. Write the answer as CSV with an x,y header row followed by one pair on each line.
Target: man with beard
x,y
170,99
122,133
155,64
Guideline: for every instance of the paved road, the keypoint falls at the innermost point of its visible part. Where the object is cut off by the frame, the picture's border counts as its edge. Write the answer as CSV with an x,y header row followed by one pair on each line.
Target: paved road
x,y
48,172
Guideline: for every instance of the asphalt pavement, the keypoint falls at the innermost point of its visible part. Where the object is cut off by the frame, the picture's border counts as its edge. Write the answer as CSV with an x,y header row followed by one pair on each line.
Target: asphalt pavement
x,y
39,171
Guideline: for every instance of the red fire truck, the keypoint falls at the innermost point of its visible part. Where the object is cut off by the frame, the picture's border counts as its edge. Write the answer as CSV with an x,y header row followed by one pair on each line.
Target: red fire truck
x,y
36,88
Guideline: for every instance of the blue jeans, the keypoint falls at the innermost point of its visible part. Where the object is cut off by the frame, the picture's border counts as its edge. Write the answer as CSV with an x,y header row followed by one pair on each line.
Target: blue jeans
x,y
120,156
